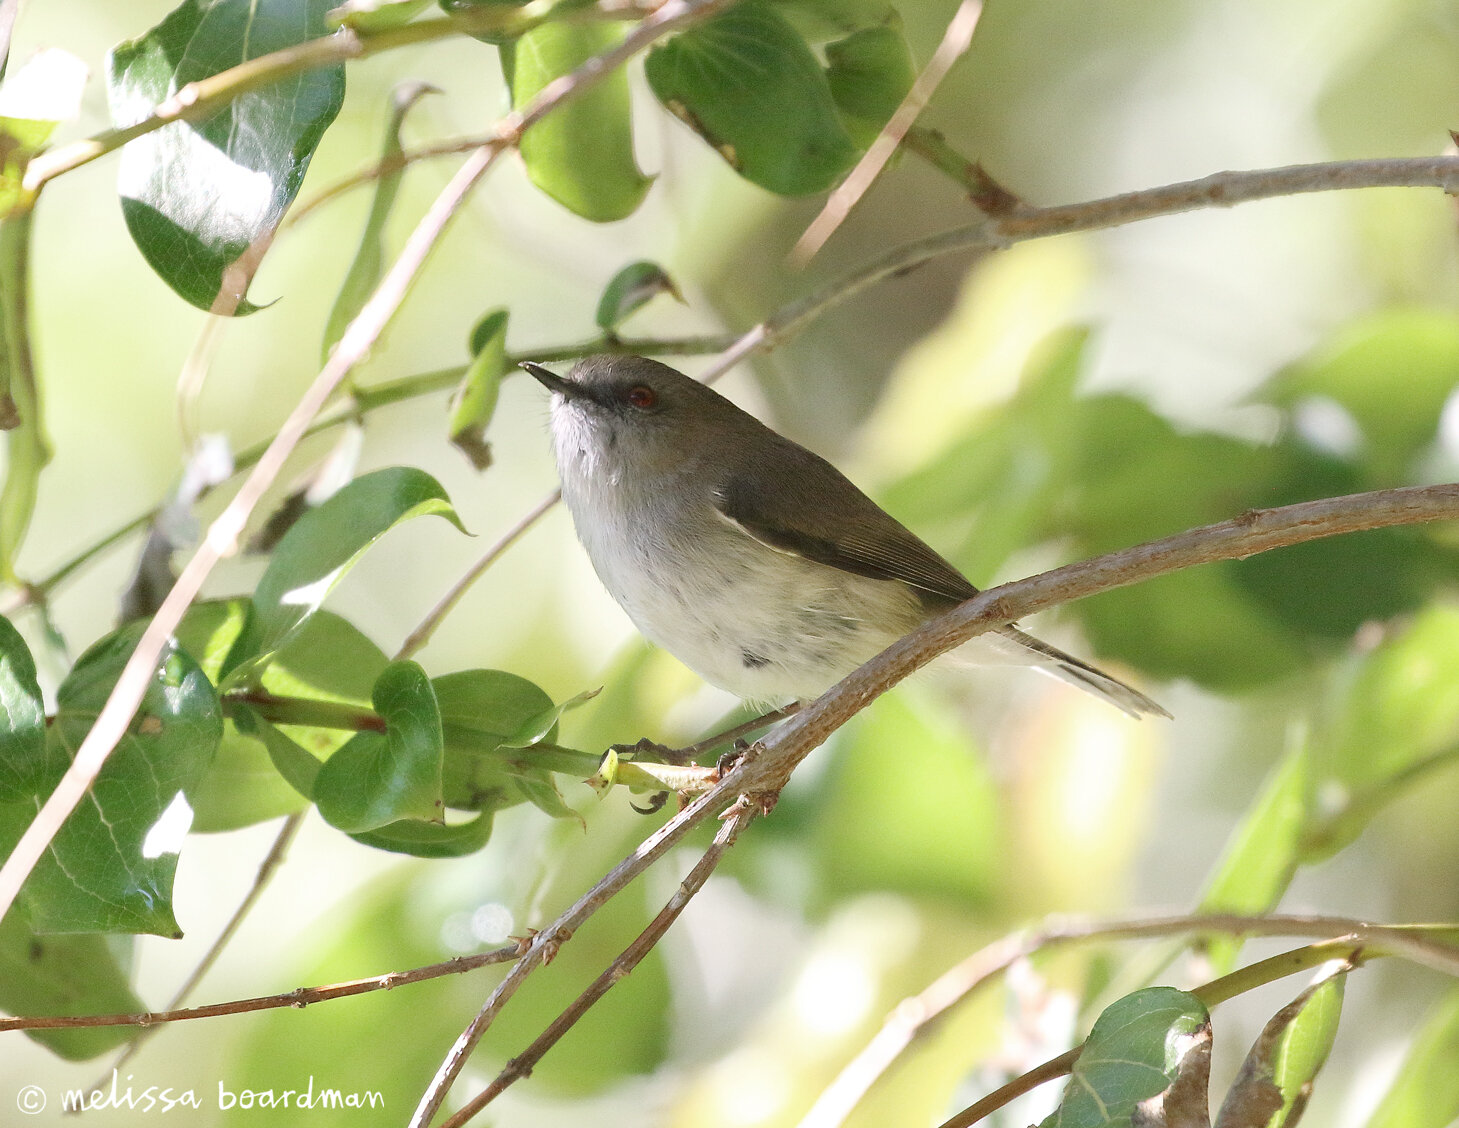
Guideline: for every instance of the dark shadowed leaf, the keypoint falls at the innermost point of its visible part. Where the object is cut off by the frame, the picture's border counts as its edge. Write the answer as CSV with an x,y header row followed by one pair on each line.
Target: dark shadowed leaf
x,y
581,154
630,290
110,868
870,72
376,779
196,195
1134,1052
748,84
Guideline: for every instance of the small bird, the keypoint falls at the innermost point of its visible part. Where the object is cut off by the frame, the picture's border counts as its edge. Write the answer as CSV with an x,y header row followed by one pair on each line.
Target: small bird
x,y
756,563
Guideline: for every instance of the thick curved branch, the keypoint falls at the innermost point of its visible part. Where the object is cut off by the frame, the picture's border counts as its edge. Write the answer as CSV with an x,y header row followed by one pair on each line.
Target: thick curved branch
x,y
762,773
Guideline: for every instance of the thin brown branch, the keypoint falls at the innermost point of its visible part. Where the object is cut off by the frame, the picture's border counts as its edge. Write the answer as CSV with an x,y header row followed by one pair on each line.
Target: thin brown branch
x,y
765,770
298,998
523,1064
955,42
917,1016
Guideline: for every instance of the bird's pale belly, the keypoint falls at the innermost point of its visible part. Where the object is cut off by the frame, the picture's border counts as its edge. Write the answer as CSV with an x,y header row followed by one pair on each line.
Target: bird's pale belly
x,y
763,625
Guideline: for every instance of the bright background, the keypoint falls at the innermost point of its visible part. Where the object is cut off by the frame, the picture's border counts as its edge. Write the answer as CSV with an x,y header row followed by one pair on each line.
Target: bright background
x,y
958,808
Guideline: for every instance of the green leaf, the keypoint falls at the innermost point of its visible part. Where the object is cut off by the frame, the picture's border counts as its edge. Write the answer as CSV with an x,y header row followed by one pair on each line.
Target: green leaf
x,y
1303,1049
581,154
1133,1053
295,764
870,72
375,15
1425,1091
196,195
477,394
27,447
65,975
22,718
480,711
430,840
1272,1087
320,549
378,779
111,866
367,268
1391,373
747,83
543,724
630,290
1261,854
503,7
543,794
35,99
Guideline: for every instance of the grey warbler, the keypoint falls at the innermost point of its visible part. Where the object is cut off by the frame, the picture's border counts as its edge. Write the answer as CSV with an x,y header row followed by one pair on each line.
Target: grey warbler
x,y
753,561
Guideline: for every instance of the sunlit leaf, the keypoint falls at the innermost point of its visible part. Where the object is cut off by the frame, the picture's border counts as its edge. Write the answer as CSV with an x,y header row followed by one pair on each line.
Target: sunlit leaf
x,y
110,867
581,154
747,83
1133,1053
1261,854
1425,1090
375,15
196,195
320,549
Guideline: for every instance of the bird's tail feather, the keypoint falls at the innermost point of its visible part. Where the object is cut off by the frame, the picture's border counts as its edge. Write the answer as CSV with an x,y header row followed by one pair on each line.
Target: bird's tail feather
x,y
1066,667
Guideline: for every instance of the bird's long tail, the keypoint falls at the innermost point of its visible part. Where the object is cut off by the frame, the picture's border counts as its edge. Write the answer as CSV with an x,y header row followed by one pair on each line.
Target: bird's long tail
x,y
1066,667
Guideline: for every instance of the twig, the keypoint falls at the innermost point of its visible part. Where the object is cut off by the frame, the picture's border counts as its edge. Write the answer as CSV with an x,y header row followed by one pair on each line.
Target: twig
x,y
352,348
764,772
298,998
915,1017
437,614
266,869
523,1064
955,41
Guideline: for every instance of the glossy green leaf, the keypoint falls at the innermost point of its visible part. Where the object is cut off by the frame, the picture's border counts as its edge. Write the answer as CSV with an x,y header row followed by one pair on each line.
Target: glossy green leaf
x,y
368,265
316,553
27,447
1425,1090
870,72
22,718
1262,853
1133,1053
296,766
542,725
501,7
376,779
65,975
581,154
111,866
747,83
479,390
630,290
196,195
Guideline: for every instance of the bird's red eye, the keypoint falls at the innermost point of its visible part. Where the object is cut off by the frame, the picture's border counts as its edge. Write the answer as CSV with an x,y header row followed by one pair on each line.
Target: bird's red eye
x,y
642,396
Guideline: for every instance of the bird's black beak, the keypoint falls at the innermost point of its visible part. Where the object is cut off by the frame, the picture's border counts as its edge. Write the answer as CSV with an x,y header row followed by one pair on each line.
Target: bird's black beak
x,y
552,381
